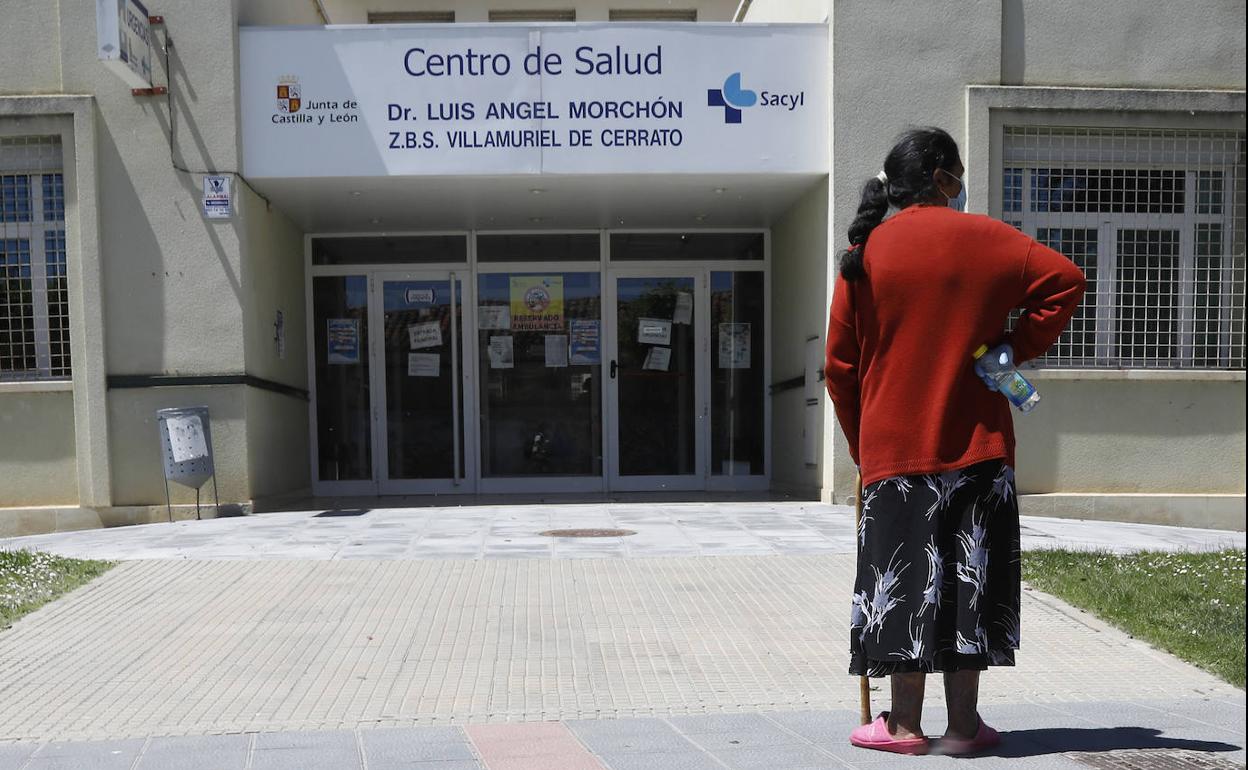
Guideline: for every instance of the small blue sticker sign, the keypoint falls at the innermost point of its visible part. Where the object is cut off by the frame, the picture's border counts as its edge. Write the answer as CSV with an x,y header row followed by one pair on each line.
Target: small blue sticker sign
x,y
583,345
343,341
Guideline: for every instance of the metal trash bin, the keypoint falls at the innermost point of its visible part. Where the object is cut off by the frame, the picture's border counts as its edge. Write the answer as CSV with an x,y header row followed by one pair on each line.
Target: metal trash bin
x,y
186,449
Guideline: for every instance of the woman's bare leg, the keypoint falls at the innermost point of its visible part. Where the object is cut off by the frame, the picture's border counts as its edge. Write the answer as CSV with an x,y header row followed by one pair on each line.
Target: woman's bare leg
x,y
906,717
962,699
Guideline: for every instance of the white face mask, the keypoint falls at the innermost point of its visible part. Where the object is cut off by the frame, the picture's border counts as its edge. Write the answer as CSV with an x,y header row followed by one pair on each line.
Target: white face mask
x,y
958,202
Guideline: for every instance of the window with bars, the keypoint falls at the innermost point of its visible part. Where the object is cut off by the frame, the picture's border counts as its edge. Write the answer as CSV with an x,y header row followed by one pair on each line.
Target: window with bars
x,y
34,294
1155,219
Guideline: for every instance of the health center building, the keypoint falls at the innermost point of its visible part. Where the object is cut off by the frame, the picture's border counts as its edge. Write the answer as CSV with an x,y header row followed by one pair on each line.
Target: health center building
x,y
511,247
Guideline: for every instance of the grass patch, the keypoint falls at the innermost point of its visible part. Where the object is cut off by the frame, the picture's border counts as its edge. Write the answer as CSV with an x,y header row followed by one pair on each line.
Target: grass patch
x,y
31,579
1188,604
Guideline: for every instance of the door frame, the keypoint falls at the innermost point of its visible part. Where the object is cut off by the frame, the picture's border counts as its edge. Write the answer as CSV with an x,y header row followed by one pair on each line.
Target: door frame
x,y
370,487
465,479
701,384
540,484
468,272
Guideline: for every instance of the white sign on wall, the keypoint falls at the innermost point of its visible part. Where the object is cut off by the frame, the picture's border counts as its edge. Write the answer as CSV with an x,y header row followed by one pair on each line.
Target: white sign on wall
x,y
124,37
514,99
216,200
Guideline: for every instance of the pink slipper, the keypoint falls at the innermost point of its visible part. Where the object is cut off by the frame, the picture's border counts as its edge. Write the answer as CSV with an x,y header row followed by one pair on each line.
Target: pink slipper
x,y
875,736
985,738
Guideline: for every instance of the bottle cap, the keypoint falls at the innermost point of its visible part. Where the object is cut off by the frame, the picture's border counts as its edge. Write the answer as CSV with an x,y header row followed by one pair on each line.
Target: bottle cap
x,y
979,351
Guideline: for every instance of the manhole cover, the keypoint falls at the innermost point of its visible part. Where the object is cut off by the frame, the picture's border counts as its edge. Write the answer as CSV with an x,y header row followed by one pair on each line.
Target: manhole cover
x,y
1152,759
588,532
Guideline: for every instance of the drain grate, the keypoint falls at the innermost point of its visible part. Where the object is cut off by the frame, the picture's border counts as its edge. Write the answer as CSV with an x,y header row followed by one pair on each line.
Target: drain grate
x,y
1153,759
588,533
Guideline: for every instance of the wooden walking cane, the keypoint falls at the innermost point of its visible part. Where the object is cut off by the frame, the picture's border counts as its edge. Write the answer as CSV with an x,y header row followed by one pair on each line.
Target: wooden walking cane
x,y
864,684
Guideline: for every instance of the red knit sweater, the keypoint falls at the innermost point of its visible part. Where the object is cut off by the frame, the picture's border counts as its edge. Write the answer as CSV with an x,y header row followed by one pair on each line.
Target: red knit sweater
x,y
899,368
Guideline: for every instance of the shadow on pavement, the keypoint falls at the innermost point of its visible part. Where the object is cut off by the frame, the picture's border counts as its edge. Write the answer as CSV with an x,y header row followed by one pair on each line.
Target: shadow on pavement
x,y
1059,740
342,512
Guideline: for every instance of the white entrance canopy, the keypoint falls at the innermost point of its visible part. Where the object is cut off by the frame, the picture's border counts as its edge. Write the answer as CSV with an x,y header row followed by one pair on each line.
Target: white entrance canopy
x,y
381,204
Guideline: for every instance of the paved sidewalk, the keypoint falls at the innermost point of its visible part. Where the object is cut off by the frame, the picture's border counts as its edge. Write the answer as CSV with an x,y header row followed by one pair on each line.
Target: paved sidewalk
x,y
513,532
203,647
456,638
1058,736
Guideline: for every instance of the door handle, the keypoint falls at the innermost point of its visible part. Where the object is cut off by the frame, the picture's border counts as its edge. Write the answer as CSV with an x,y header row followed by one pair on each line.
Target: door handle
x,y
613,368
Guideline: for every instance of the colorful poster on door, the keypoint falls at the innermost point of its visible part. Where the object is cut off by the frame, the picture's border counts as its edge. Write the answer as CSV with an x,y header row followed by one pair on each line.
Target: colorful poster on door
x,y
343,345
584,335
537,303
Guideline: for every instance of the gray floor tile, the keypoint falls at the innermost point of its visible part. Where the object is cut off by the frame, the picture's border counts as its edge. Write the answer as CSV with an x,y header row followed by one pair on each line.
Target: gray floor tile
x,y
437,764
317,739
721,723
197,752
14,754
687,760
295,750
620,736
772,757
417,744
744,739
92,755
818,726
1125,715
305,759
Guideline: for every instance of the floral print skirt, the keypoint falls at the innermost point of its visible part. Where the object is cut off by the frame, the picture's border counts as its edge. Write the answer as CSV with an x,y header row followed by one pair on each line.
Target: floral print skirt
x,y
938,573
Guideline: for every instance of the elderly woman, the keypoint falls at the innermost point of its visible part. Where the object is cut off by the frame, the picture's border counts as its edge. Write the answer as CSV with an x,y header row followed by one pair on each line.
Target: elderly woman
x,y
938,581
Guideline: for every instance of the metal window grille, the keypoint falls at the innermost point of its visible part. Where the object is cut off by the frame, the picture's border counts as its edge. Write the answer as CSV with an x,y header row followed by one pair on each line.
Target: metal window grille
x,y
34,291
1155,219
656,14
411,17
531,16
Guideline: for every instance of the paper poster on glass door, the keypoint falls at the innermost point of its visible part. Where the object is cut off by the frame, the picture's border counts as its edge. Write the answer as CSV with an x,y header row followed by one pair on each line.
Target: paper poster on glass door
x,y
734,346
536,302
343,341
584,335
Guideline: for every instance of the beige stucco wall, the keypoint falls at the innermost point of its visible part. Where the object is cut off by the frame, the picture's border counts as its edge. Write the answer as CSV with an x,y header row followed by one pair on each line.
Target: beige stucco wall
x,y
172,279
799,248
37,461
134,442
277,441
1123,45
273,279
29,49
181,295
1133,436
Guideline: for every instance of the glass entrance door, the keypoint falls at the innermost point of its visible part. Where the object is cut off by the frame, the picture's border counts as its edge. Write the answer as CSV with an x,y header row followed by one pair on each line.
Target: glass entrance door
x,y
419,389
657,357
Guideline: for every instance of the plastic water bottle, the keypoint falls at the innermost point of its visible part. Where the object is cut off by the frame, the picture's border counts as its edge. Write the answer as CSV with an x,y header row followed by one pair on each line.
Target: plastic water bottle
x,y
1010,382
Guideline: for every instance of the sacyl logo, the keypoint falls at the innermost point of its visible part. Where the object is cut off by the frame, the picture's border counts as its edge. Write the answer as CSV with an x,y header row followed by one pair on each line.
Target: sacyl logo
x,y
732,97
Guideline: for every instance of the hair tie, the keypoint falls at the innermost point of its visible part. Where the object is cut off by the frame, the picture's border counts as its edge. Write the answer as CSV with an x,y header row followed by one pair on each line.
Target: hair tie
x,y
882,177
854,247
